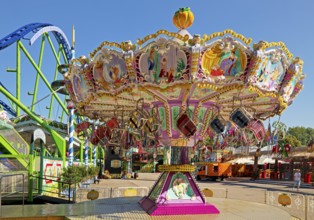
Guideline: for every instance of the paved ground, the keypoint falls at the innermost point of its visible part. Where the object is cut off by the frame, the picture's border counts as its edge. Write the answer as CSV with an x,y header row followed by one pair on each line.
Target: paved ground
x,y
128,208
245,200
237,188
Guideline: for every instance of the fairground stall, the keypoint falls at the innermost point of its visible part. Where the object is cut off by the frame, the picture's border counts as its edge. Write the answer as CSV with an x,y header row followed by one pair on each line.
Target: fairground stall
x,y
172,90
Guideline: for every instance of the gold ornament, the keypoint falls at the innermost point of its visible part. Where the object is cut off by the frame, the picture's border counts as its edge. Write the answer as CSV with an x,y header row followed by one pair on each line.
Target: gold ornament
x,y
183,18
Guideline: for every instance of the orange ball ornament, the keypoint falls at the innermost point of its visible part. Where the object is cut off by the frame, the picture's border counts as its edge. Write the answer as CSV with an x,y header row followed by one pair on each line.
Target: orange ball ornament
x,y
183,18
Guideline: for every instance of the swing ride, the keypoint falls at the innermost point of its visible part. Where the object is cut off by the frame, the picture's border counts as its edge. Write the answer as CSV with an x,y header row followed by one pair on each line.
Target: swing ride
x,y
175,89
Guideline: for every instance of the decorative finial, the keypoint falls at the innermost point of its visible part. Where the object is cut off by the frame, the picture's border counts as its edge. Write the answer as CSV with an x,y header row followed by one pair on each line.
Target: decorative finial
x,y
73,37
73,43
183,18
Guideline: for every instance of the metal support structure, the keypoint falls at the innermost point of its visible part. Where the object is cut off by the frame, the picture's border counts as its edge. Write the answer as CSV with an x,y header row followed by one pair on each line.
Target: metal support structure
x,y
30,174
57,58
94,155
82,152
54,78
37,75
13,151
18,77
42,75
41,172
58,139
86,150
71,134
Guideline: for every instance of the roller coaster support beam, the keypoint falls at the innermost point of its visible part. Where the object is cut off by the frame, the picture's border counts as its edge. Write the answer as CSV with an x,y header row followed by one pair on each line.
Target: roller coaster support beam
x,y
18,76
55,73
42,76
59,141
38,75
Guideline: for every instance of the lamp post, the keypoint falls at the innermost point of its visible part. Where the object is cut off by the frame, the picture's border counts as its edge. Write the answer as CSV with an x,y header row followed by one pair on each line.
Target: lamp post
x,y
154,156
71,109
100,162
130,163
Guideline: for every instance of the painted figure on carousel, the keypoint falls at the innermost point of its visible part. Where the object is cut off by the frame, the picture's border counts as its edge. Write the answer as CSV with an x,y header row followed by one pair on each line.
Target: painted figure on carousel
x,y
152,61
163,75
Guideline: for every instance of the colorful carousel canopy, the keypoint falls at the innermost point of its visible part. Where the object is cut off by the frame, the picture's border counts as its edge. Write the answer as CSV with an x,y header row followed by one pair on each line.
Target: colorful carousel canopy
x,y
188,79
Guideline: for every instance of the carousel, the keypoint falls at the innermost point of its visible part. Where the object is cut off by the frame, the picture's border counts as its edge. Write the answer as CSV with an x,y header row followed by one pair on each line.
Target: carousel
x,y
173,89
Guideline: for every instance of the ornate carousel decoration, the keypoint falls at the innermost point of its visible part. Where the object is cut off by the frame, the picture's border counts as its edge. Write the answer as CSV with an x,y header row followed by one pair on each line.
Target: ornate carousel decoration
x,y
174,89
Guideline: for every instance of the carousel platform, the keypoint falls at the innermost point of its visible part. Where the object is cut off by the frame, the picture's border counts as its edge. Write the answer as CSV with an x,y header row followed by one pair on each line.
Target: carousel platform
x,y
128,208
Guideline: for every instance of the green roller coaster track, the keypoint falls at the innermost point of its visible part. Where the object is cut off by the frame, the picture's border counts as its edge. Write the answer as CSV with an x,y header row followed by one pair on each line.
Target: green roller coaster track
x,y
60,52
20,48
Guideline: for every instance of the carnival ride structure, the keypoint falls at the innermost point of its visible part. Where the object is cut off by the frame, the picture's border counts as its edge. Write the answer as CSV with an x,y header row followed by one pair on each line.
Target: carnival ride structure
x,y
19,148
38,30
174,89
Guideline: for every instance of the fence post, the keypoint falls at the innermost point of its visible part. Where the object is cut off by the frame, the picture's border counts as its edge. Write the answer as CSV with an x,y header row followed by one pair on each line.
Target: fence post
x,y
74,192
305,208
23,187
69,193
0,195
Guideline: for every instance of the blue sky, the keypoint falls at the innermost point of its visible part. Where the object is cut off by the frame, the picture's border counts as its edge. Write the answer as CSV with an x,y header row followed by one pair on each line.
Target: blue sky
x,y
97,21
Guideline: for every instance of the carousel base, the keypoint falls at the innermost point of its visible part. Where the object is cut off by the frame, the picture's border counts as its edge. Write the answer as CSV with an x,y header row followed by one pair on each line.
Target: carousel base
x,y
176,193
177,209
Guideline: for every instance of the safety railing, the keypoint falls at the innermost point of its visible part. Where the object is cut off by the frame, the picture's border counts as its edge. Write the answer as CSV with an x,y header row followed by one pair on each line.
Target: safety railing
x,y
56,188
3,176
298,205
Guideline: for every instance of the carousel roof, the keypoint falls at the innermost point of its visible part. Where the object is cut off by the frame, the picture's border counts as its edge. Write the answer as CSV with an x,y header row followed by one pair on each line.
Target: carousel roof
x,y
205,76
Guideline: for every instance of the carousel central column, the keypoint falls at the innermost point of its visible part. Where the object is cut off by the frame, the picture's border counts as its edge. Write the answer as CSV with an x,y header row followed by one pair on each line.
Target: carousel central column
x,y
71,132
176,191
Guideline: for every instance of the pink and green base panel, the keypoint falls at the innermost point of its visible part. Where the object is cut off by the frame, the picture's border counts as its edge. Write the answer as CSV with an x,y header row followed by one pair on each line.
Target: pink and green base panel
x,y
176,193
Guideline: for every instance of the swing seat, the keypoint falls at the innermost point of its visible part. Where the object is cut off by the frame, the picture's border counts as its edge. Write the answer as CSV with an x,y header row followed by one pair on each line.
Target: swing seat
x,y
113,123
258,129
82,127
186,125
217,125
98,134
240,117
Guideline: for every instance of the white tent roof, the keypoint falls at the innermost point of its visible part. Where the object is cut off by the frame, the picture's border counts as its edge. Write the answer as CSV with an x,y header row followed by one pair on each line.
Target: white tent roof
x,y
243,160
261,160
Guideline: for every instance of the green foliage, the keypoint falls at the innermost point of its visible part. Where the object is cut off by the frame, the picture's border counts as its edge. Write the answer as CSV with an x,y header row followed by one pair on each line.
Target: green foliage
x,y
180,68
180,65
147,168
290,139
208,141
303,134
76,174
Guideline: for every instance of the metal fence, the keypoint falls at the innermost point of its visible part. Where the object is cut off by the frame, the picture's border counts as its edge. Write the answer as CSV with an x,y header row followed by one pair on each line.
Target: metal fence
x,y
19,186
297,205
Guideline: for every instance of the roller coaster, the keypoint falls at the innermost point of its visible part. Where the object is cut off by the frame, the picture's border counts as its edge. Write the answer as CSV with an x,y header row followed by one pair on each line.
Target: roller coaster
x,y
19,145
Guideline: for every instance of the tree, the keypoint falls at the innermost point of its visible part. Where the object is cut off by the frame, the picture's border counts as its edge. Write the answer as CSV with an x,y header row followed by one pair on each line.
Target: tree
x,y
292,140
304,135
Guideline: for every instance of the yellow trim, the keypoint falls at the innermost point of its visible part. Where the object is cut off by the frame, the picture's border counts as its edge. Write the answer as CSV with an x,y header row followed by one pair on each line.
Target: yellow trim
x,y
169,34
105,43
247,41
268,94
278,44
177,168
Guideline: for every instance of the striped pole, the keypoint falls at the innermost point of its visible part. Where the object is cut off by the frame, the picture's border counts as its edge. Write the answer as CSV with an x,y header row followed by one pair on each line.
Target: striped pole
x,y
71,135
94,155
71,111
86,151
